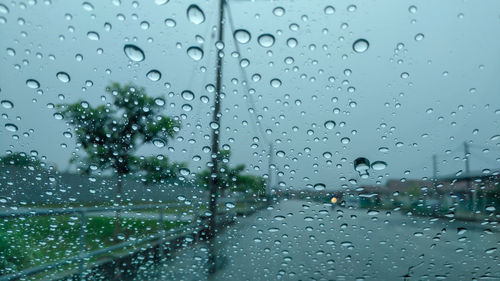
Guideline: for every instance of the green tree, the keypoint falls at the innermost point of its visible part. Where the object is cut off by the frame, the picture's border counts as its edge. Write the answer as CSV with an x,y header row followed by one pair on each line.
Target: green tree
x,y
22,160
110,134
232,178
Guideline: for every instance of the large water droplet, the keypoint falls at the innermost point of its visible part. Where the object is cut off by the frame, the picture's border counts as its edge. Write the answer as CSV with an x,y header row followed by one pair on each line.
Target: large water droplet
x,y
187,95
154,75
361,164
275,83
266,40
195,53
195,14
11,127
242,36
133,52
330,124
319,187
7,104
160,101
87,6
279,11
379,165
63,77
92,35
360,46
33,84
159,143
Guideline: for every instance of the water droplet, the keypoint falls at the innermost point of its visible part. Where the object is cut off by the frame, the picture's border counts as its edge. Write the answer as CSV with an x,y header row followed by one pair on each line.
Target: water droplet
x,y
195,14
187,95
379,165
33,84
195,53
360,45
230,205
419,37
345,140
133,52
266,40
7,104
58,116
292,42
279,11
275,83
3,9
11,127
319,187
92,35
170,23
495,137
327,155
329,10
280,153
63,77
412,9
154,75
187,107
329,124
161,2
279,218
185,171
87,6
159,143
242,36
372,212
160,101
361,164
461,230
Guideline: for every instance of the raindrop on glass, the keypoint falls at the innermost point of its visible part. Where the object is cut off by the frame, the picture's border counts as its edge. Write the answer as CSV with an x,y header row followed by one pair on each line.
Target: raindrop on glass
x,y
360,45
33,84
187,95
242,36
133,52
330,124
11,127
7,104
266,40
195,14
63,77
154,75
195,53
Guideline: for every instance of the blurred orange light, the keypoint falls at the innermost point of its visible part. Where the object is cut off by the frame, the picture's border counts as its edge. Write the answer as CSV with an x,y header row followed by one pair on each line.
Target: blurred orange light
x,y
333,200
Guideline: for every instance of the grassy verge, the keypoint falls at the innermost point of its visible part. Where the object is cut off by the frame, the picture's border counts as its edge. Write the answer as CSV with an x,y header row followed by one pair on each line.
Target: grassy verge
x,y
28,242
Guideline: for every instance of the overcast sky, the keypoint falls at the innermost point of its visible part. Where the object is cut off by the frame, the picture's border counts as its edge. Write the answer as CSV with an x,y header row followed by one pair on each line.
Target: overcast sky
x,y
427,82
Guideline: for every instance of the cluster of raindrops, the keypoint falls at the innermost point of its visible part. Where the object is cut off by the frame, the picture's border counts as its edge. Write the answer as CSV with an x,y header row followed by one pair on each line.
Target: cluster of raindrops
x,y
362,166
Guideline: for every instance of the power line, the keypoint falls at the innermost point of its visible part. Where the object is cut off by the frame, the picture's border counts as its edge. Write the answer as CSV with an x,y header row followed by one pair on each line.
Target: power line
x,y
245,81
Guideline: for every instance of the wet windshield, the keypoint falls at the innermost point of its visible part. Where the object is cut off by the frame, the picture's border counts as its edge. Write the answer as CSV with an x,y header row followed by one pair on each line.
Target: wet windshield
x,y
253,140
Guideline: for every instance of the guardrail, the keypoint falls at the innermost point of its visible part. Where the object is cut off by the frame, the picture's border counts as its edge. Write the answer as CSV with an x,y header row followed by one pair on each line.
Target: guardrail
x,y
84,256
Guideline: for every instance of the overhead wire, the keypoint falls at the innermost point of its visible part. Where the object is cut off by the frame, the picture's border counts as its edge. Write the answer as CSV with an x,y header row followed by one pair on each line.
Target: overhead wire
x,y
249,101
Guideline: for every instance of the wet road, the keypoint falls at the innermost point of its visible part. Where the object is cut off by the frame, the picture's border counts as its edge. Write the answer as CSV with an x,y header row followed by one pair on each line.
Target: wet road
x,y
297,240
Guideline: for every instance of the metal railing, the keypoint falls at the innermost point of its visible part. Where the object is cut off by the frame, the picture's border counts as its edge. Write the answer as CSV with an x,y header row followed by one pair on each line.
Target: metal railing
x,y
84,256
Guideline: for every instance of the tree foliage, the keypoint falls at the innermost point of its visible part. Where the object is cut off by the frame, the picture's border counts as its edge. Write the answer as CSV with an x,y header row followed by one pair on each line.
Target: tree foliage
x,y
232,178
110,134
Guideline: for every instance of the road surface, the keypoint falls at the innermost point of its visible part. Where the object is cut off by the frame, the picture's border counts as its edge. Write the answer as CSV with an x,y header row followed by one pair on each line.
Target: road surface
x,y
299,240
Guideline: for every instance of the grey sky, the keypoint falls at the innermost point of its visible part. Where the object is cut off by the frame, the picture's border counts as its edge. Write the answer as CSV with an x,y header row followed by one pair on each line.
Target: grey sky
x,y
452,70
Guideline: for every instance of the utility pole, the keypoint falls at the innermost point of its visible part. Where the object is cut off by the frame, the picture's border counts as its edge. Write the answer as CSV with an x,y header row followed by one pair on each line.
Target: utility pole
x,y
468,176
215,125
270,171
